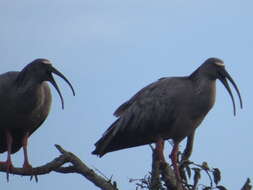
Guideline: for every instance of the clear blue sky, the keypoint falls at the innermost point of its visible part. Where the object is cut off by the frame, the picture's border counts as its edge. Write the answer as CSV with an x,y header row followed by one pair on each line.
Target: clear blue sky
x,y
111,49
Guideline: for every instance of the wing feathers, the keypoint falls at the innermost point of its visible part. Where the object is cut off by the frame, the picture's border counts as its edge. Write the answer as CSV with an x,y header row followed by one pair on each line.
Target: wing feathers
x,y
142,119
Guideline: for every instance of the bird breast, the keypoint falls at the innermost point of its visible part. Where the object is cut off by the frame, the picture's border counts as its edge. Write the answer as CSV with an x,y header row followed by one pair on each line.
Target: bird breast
x,y
205,96
191,110
30,107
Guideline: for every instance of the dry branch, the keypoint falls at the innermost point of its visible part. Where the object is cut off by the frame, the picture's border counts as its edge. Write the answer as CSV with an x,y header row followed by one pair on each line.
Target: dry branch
x,y
165,171
56,165
162,175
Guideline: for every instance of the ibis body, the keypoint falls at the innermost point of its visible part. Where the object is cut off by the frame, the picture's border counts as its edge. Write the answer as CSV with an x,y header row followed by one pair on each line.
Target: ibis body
x,y
170,108
21,112
25,100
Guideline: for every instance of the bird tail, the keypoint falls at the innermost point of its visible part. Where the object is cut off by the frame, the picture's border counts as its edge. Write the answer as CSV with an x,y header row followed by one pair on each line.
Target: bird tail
x,y
120,135
102,143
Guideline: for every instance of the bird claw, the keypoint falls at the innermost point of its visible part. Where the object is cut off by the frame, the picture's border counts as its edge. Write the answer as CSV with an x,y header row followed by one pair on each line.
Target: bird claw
x,y
8,166
35,177
28,167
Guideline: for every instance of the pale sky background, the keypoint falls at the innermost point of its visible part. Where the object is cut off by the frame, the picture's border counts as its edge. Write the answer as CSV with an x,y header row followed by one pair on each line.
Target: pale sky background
x,y
111,49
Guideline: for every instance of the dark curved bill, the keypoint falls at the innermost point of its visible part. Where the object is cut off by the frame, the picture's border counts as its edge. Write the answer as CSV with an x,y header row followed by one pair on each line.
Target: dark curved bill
x,y
225,83
236,88
223,78
57,89
55,71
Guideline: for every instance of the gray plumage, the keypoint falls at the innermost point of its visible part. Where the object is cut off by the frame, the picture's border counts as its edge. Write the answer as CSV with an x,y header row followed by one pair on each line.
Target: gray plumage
x,y
23,109
170,108
25,100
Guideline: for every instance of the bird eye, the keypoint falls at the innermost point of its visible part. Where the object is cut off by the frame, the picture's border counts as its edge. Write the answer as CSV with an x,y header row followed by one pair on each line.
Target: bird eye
x,y
220,64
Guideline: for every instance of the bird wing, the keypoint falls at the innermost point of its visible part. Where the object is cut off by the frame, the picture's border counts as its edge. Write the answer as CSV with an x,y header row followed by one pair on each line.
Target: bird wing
x,y
6,81
145,117
123,107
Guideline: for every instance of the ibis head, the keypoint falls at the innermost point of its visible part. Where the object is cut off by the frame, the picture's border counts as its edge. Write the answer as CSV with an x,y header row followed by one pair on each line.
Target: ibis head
x,y
214,68
42,70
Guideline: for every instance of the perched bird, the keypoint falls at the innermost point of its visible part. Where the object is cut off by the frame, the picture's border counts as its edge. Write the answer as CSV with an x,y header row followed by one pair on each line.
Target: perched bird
x,y
25,100
170,108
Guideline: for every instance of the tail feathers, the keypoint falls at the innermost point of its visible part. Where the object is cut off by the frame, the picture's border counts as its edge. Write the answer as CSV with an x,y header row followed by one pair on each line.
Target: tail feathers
x,y
102,143
115,139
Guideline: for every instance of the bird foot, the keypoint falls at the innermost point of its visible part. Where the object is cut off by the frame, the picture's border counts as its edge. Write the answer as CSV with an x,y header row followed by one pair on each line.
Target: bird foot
x,y
8,167
27,166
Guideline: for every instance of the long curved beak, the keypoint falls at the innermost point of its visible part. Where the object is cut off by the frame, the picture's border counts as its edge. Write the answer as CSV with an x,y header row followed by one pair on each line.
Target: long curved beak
x,y
55,71
224,75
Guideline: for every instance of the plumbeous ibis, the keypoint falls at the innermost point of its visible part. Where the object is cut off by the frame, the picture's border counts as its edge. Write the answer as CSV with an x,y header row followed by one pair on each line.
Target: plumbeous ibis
x,y
25,101
170,108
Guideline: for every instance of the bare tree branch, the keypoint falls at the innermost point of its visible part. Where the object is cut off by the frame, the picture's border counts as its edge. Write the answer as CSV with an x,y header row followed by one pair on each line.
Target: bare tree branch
x,y
57,165
169,177
162,175
84,170
66,170
41,170
164,170
155,173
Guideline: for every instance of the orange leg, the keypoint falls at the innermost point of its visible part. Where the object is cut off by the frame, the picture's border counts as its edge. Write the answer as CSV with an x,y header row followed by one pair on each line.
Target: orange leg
x,y
8,162
26,164
173,157
159,149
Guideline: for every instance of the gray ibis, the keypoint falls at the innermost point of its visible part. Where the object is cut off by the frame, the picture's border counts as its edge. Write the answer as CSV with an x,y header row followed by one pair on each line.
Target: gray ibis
x,y
25,100
170,108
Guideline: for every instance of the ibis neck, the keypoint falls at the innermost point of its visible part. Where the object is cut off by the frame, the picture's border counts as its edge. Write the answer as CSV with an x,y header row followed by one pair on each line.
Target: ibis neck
x,y
202,81
26,78
204,88
26,82
201,74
